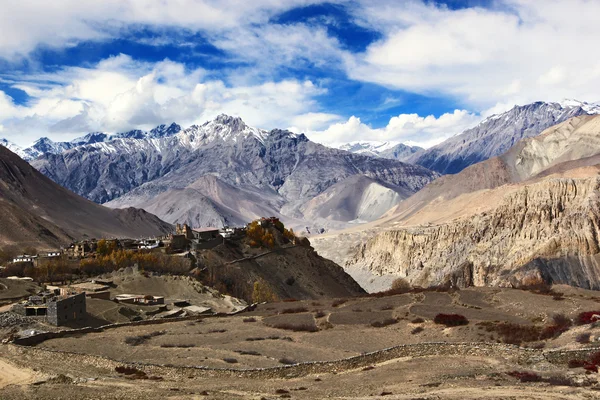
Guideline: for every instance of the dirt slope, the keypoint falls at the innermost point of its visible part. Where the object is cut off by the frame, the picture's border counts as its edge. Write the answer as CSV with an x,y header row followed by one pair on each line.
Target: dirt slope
x,y
36,211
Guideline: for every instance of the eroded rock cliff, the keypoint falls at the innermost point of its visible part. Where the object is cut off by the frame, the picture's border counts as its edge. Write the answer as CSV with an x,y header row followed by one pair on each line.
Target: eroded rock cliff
x,y
548,229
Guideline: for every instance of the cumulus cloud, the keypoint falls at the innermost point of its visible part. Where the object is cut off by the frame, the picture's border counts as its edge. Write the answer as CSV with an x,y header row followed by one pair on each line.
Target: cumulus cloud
x,y
519,51
406,128
27,24
120,93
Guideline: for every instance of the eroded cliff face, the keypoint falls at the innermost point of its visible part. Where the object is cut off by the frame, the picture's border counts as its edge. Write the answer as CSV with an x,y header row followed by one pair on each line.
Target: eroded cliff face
x,y
548,229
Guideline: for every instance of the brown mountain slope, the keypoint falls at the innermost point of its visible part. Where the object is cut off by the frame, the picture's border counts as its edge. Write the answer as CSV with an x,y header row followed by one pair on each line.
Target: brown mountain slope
x,y
491,220
36,211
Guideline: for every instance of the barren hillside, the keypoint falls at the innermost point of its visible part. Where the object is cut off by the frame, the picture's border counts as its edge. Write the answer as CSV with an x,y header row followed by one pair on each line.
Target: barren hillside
x,y
36,211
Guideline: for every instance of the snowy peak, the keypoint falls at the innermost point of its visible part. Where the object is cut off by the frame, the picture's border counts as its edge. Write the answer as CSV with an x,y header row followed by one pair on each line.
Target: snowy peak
x,y
12,147
164,131
590,108
225,128
367,147
93,137
391,150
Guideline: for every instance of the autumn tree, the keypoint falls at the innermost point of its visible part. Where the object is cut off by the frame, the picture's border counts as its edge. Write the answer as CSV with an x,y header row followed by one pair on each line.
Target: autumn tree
x,y
262,292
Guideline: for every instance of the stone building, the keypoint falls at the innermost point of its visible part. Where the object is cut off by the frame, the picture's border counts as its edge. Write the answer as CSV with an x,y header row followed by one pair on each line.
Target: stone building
x,y
66,309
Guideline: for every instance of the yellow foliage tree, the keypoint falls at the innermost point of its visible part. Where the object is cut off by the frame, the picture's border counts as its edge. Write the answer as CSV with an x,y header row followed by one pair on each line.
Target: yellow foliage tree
x,y
262,292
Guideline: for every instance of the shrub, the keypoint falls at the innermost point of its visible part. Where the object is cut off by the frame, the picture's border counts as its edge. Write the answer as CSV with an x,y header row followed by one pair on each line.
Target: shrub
x,y
561,324
451,319
296,327
229,360
514,333
138,340
338,302
417,320
294,310
320,314
577,363
290,281
131,373
587,317
286,361
385,322
250,319
583,338
181,346
401,285
248,352
418,329
525,376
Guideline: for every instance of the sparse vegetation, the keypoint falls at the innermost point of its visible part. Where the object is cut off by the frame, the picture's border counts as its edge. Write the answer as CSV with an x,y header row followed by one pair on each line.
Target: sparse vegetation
x,y
248,352
514,333
385,322
300,327
180,346
141,339
338,302
525,376
401,285
583,338
294,310
587,317
451,319
417,320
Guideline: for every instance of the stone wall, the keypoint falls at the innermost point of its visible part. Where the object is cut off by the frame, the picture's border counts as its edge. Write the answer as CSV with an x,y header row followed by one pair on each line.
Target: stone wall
x,y
512,354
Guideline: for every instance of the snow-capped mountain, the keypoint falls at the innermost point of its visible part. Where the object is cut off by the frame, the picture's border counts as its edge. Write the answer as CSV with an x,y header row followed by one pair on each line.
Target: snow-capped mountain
x,y
391,150
13,147
45,145
496,134
221,172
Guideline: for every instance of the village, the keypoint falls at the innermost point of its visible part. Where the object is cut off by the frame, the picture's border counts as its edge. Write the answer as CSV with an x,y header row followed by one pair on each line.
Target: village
x,y
65,303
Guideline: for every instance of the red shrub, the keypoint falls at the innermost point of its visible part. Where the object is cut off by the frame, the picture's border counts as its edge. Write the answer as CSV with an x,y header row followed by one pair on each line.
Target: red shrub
x,y
451,319
588,317
524,376
577,363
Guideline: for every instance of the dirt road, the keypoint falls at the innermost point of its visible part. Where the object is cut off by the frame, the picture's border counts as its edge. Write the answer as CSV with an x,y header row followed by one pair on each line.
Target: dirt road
x,y
11,375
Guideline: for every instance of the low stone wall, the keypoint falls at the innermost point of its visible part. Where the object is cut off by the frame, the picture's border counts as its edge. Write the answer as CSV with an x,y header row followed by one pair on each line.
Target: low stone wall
x,y
510,353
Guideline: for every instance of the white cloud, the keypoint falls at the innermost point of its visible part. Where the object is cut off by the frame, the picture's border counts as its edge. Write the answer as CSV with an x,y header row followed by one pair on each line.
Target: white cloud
x,y
518,52
29,23
120,93
407,128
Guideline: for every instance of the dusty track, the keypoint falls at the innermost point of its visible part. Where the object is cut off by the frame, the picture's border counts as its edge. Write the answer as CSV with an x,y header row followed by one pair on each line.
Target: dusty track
x,y
11,375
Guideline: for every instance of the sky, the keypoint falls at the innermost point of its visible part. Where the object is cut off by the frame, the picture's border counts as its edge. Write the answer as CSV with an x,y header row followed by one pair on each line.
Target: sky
x,y
410,71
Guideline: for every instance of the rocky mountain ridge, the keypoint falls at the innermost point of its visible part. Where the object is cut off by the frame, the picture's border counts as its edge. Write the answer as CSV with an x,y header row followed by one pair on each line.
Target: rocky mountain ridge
x,y
391,150
487,213
496,134
274,172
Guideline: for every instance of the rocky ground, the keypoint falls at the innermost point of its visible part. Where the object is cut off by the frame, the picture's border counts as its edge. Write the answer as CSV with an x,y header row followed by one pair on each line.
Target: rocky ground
x,y
365,347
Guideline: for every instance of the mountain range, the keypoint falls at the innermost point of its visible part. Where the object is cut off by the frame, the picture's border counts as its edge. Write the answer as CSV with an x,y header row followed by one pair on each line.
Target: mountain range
x,y
492,137
391,150
225,172
530,214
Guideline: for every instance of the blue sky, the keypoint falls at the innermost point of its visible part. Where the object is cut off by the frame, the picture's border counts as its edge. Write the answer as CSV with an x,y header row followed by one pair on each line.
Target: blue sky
x,y
411,71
